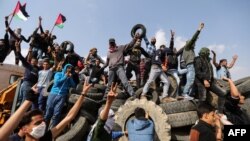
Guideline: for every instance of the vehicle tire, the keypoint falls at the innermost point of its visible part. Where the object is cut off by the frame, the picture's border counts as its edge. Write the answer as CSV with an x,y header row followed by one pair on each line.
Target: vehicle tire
x,y
136,27
89,106
156,114
151,95
117,103
77,131
182,119
178,106
122,95
246,106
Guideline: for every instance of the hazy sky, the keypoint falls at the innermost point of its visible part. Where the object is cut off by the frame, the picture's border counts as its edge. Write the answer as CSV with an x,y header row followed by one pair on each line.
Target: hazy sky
x,y
90,23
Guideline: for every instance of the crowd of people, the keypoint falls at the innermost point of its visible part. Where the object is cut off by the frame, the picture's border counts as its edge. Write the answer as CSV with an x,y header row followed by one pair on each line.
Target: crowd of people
x,y
47,61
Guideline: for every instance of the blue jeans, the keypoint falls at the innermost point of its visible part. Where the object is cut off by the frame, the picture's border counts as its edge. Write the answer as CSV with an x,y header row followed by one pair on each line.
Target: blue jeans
x,y
120,73
37,52
176,74
190,79
54,108
41,99
25,88
154,73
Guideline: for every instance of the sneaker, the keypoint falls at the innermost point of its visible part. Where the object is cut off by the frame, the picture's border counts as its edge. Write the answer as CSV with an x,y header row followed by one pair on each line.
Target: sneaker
x,y
187,97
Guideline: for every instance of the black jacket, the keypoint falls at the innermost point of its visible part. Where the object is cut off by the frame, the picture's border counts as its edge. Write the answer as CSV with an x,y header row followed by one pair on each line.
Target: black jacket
x,y
203,69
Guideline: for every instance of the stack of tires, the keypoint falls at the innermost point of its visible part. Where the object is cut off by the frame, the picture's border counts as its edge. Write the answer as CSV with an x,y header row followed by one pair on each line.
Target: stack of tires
x,y
181,116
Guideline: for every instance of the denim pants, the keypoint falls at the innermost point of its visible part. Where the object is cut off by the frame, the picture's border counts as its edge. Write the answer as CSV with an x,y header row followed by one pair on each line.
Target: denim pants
x,y
154,73
41,99
120,73
25,88
176,74
190,79
37,52
215,88
54,108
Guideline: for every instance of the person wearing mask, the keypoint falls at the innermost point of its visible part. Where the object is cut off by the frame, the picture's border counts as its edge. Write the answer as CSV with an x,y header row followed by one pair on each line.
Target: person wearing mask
x,y
204,79
141,128
150,49
188,55
115,61
134,61
34,123
58,94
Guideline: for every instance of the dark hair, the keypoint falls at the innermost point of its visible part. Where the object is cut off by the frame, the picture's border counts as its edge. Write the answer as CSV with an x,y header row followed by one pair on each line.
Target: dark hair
x,y
27,118
204,108
222,60
139,112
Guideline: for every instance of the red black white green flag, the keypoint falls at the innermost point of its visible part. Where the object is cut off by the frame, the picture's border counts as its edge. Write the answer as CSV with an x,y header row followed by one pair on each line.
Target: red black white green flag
x,y
60,20
20,12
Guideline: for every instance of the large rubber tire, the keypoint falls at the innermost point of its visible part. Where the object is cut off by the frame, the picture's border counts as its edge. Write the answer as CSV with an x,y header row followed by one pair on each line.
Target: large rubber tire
x,y
151,95
136,27
178,106
77,131
89,106
122,95
182,119
246,106
117,103
160,119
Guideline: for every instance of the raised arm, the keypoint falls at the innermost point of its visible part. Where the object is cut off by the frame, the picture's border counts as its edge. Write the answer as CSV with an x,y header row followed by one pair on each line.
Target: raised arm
x,y
24,61
110,98
131,44
190,44
214,59
15,118
72,113
171,45
232,62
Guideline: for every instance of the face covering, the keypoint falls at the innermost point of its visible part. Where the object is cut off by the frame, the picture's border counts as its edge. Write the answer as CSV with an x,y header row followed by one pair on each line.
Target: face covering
x,y
205,52
38,131
112,49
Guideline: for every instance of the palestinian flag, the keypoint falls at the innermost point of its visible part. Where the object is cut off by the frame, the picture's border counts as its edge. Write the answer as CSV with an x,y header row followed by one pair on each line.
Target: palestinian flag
x,y
20,12
60,20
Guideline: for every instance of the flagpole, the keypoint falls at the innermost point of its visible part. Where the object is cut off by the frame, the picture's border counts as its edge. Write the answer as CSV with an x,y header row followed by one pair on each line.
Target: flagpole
x,y
11,19
52,28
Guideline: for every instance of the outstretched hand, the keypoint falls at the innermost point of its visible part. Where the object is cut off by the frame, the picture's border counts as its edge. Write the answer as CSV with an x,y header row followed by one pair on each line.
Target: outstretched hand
x,y
172,33
112,93
235,57
201,26
86,87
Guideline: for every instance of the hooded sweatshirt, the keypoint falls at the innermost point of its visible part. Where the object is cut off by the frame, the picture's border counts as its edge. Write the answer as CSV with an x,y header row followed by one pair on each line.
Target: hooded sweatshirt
x,y
62,83
140,130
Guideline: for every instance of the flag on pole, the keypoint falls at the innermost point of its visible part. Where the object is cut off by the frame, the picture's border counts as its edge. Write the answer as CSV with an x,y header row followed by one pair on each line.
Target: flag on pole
x,y
20,12
60,20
